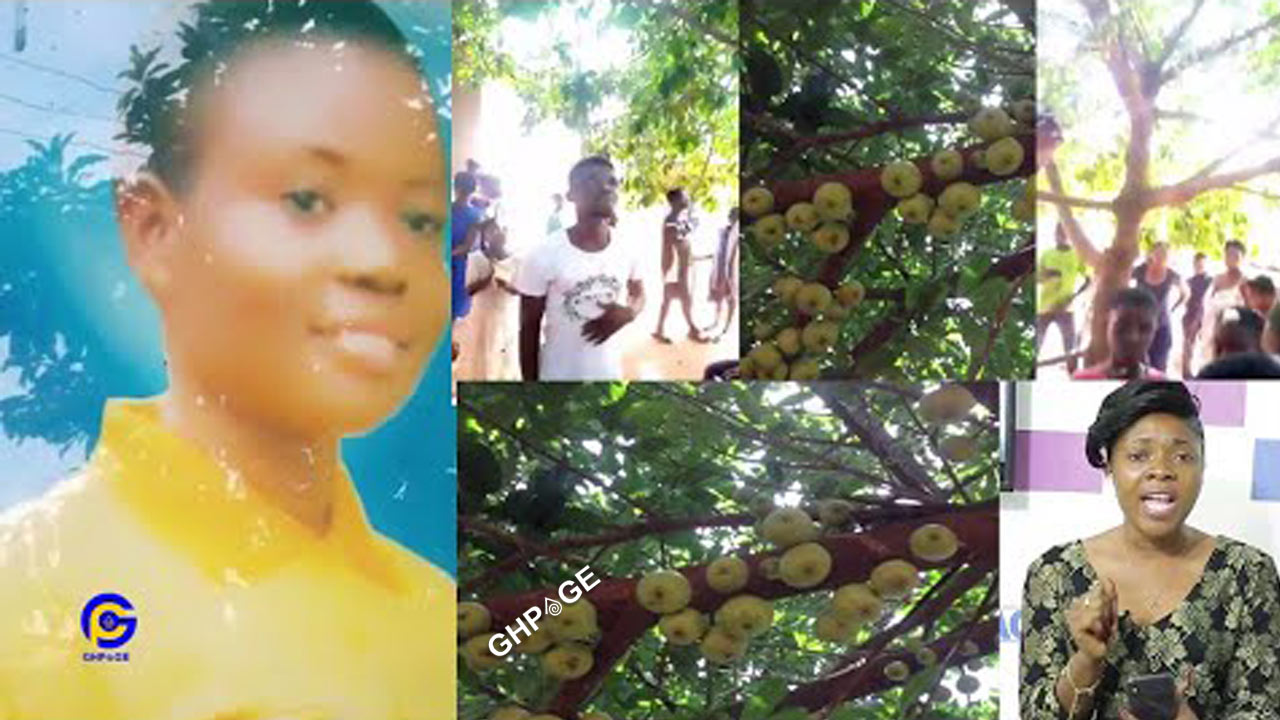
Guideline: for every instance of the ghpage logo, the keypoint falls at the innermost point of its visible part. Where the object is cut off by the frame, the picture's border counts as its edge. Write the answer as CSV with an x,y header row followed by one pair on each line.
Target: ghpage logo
x,y
108,622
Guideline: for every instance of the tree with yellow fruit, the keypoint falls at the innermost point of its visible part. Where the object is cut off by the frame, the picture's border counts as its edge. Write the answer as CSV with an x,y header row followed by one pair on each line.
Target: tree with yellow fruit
x,y
875,158
747,544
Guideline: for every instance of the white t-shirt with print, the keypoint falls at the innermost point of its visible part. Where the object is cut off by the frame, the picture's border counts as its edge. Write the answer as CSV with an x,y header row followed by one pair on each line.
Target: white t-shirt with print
x,y
575,284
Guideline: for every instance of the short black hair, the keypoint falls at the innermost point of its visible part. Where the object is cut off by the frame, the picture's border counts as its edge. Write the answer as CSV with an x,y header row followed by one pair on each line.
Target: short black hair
x,y
1134,297
1200,256
1131,402
1241,366
1239,330
464,181
1236,244
1262,284
674,193
585,164
155,109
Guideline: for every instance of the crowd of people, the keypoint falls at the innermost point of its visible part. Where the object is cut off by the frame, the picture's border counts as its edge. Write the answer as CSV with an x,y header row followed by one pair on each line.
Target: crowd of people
x,y
1229,321
580,285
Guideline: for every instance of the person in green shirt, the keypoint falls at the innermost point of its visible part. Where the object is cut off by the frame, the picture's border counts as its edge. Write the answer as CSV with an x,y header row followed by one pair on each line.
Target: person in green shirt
x,y
1060,270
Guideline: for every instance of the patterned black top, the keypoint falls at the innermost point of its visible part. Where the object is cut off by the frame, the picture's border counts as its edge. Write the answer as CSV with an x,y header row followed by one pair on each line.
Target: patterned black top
x,y
1227,629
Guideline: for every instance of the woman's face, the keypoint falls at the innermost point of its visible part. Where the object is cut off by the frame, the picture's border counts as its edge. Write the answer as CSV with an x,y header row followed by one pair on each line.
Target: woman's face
x,y
1157,466
308,284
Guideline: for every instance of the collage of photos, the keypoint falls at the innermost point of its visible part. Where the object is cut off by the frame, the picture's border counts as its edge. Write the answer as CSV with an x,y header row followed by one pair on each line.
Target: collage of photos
x,y
639,360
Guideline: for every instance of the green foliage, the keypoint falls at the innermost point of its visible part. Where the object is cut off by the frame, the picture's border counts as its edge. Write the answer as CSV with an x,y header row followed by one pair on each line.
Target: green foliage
x,y
825,68
628,453
678,123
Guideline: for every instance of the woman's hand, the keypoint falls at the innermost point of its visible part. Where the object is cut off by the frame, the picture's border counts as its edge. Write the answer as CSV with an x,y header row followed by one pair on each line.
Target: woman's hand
x,y
1093,619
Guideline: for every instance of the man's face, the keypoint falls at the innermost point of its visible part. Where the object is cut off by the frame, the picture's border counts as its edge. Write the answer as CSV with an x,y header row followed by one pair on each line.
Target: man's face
x,y
679,201
1199,265
1160,253
1130,330
307,282
595,192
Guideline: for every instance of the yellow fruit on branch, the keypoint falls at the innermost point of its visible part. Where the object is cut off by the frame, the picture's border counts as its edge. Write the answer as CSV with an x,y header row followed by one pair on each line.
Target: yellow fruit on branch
x,y
511,712
915,209
947,404
721,647
851,293
831,237
802,217
786,288
819,335
806,369
1004,157
834,512
473,618
757,201
834,201
745,615
894,579
537,642
575,622
960,199
942,224
933,542
770,230
683,628
728,575
788,341
897,671
568,661
947,165
857,603
765,357
477,654
813,298
805,565
663,591
786,527
833,628
901,179
958,448
991,124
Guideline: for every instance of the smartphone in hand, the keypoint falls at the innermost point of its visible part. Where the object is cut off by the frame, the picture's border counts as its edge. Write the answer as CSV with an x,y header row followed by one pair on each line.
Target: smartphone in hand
x,y
1151,697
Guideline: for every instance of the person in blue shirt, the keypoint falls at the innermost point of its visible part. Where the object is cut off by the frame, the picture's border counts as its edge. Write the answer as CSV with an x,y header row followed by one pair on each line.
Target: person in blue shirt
x,y
463,222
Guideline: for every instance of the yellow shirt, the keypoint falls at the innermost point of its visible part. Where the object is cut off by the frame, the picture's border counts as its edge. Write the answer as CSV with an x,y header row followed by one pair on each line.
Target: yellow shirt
x,y
1056,291
241,612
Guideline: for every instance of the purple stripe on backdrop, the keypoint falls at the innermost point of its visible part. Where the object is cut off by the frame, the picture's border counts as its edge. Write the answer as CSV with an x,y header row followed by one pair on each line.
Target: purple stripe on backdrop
x,y
1221,403
1046,460
1266,470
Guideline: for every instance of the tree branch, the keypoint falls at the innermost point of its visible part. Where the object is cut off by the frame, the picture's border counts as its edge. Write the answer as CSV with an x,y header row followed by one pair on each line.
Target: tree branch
x,y
1188,189
856,416
854,556
1175,38
1221,47
1055,198
1002,313
695,23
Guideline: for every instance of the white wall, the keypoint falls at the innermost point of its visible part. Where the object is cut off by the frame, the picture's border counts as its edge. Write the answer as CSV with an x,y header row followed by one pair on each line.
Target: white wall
x,y
1032,521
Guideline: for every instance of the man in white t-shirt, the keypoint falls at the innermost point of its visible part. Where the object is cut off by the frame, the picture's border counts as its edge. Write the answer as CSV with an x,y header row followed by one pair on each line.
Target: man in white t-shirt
x,y
581,286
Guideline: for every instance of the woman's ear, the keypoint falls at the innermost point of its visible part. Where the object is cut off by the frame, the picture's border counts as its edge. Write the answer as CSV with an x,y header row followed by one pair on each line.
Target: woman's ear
x,y
150,222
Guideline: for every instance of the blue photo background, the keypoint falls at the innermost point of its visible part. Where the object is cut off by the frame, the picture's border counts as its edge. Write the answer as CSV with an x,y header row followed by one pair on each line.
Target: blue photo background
x,y
76,327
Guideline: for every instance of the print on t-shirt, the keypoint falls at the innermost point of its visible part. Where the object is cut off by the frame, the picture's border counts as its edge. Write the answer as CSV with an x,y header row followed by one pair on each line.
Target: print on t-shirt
x,y
586,299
